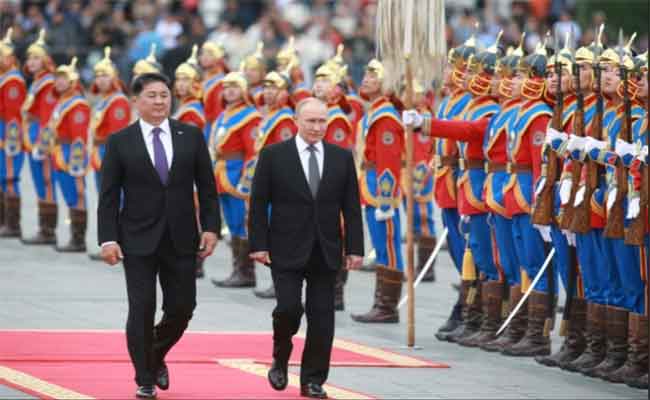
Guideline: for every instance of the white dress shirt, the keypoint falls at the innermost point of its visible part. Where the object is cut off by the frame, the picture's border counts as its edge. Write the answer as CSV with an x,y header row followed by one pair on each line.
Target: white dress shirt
x,y
165,138
304,155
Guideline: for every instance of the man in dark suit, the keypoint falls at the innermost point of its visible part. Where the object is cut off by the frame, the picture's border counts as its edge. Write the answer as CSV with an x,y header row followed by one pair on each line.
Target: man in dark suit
x,y
146,218
308,185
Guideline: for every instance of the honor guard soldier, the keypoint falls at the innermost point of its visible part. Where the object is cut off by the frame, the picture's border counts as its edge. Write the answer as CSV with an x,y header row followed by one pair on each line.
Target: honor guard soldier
x,y
379,182
254,69
187,89
147,64
211,59
38,140
624,281
445,163
233,148
328,88
481,311
423,210
276,126
12,95
69,124
287,60
525,159
588,222
111,113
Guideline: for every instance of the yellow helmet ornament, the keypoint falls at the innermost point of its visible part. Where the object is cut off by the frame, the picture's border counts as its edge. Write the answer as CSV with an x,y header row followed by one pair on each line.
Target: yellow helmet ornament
x,y
215,49
105,66
39,47
148,64
7,45
190,67
255,60
69,71
288,55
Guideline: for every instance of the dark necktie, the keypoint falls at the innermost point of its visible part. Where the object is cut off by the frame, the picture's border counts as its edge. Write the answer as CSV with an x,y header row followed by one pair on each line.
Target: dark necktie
x,y
314,175
159,156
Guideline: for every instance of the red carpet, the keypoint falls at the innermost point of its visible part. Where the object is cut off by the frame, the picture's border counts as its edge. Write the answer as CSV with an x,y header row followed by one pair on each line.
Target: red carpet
x,y
68,364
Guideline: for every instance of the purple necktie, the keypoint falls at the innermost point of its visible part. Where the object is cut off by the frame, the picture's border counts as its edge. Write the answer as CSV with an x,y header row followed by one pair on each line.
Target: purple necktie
x,y
159,156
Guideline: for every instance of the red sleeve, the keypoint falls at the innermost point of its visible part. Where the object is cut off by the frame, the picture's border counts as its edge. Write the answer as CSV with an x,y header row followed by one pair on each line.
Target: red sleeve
x,y
45,103
537,131
249,136
282,129
339,132
463,131
389,144
77,122
193,118
119,116
14,94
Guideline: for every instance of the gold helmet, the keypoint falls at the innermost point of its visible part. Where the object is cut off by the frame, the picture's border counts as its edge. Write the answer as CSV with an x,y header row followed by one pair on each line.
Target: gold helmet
x,y
534,67
105,66
39,47
215,49
612,55
236,78
69,71
190,68
6,45
332,72
586,54
255,60
148,64
375,66
288,55
278,79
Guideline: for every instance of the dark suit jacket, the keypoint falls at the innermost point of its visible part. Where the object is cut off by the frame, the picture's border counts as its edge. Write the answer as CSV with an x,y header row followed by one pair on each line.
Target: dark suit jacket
x,y
297,220
149,207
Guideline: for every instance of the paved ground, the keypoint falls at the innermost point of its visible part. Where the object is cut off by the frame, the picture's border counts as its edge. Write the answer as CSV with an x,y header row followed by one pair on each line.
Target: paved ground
x,y
46,290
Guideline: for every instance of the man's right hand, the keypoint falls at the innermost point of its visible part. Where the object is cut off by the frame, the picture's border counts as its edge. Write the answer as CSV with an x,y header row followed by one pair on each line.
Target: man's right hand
x,y
261,257
112,253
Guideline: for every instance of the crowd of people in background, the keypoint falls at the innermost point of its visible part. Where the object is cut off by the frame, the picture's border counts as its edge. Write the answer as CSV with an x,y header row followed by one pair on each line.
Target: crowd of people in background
x,y
84,27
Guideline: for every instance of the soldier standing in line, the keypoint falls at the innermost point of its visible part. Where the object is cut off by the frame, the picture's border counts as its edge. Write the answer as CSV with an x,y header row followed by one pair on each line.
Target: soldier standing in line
x,y
13,91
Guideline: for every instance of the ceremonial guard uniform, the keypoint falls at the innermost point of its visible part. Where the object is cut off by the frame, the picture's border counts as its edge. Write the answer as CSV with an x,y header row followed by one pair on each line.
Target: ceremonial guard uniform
x,y
38,140
233,147
524,154
254,69
12,95
624,283
69,124
288,61
383,141
587,228
214,67
111,113
276,126
328,88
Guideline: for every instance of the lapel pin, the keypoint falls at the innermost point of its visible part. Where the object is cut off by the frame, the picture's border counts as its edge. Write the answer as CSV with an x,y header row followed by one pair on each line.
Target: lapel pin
x,y
180,132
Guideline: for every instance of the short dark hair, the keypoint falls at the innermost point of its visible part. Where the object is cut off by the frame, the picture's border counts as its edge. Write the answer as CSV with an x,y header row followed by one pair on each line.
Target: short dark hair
x,y
142,80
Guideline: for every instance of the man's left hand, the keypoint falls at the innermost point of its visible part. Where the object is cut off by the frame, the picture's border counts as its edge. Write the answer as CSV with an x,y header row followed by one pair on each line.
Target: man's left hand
x,y
353,262
208,243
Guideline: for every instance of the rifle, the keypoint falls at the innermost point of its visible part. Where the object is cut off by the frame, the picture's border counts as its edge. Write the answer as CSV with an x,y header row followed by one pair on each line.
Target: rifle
x,y
543,208
615,225
581,222
569,210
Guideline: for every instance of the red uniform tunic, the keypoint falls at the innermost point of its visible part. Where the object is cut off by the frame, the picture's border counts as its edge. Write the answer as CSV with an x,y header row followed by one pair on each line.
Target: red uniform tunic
x,y
13,92
191,111
111,114
38,106
339,129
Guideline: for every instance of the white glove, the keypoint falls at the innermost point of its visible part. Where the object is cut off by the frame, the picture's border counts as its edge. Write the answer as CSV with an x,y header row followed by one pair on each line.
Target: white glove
x,y
633,208
413,118
576,143
591,143
37,154
643,154
565,191
570,237
381,215
540,186
624,148
545,231
580,196
611,198
552,134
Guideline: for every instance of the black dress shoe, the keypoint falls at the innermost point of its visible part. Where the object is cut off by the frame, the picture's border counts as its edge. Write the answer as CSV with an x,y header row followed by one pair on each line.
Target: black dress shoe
x,y
146,392
313,390
278,376
162,377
